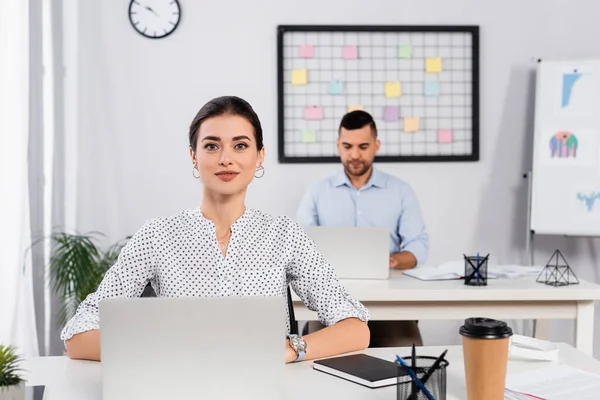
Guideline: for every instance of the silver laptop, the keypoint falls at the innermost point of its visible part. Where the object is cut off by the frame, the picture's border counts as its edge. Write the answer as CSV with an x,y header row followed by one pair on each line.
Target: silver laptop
x,y
354,252
193,348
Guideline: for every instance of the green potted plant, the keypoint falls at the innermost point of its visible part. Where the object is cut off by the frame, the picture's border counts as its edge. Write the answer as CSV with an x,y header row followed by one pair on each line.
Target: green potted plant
x,y
77,266
12,386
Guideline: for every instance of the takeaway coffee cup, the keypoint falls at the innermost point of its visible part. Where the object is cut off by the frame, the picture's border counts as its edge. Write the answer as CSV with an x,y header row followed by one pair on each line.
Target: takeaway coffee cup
x,y
485,350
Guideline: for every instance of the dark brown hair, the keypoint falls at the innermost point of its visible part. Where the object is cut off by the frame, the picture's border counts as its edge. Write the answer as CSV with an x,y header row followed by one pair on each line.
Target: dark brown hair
x,y
226,105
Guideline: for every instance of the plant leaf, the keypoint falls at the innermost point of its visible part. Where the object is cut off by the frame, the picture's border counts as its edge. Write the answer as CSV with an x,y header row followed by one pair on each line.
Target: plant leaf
x,y
9,366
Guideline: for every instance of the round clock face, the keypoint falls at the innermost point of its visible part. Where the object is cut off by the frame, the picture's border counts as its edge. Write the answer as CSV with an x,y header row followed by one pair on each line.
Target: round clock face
x,y
154,19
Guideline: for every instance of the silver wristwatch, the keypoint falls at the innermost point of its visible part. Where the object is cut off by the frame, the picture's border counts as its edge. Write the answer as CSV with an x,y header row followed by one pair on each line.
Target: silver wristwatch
x,y
299,346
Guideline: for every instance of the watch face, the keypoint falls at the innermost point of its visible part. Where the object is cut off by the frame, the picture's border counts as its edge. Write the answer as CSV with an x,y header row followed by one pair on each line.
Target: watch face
x,y
298,343
154,19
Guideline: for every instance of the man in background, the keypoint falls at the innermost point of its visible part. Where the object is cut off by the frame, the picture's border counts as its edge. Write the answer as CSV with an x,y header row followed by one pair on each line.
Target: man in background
x,y
361,195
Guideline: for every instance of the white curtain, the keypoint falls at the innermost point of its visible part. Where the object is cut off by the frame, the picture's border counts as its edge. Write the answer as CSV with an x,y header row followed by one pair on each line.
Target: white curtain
x,y
17,319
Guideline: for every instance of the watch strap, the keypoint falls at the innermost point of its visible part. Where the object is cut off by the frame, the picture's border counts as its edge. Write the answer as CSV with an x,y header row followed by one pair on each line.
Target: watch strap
x,y
300,353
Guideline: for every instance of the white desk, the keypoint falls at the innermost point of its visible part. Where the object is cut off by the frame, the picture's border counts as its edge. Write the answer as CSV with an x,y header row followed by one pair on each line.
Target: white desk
x,y
404,298
66,379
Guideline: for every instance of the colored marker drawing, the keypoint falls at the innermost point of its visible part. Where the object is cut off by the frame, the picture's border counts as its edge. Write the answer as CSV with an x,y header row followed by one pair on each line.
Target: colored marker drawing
x,y
563,145
567,86
589,199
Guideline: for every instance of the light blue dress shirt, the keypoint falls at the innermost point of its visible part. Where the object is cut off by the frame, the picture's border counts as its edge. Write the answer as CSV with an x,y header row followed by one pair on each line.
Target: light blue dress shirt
x,y
384,201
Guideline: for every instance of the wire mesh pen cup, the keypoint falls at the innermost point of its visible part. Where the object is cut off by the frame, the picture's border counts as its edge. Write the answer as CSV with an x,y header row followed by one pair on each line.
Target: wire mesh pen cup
x,y
435,384
476,271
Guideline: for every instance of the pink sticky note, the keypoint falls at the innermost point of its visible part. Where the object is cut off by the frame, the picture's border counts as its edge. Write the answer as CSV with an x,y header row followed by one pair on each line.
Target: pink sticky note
x,y
445,136
307,51
390,113
313,112
350,52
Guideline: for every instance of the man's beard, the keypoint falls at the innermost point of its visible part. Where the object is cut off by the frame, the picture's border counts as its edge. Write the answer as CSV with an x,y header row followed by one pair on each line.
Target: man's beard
x,y
358,169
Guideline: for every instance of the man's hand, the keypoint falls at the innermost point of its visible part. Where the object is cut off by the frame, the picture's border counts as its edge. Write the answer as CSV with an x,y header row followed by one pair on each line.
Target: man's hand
x,y
402,260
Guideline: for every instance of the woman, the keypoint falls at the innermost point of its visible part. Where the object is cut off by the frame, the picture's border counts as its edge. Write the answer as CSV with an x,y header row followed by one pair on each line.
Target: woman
x,y
224,249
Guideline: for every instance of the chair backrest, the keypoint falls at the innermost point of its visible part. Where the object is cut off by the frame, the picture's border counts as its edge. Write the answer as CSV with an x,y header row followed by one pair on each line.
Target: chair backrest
x,y
293,322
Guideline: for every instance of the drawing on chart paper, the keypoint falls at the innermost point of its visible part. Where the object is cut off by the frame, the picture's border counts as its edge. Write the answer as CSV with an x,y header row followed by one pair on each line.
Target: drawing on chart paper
x,y
590,200
568,82
576,92
563,145
566,146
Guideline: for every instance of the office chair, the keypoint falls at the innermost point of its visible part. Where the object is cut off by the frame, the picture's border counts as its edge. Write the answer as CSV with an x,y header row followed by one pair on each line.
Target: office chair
x,y
293,322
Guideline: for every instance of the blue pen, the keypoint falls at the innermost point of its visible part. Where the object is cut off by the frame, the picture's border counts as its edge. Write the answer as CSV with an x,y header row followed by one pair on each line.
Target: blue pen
x,y
477,267
415,379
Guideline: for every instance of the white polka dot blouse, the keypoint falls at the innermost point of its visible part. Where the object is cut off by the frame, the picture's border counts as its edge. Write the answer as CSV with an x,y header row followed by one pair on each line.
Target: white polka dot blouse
x,y
180,256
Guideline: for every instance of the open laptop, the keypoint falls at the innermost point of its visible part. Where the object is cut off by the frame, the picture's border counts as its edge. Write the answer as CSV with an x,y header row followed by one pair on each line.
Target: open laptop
x,y
354,252
193,348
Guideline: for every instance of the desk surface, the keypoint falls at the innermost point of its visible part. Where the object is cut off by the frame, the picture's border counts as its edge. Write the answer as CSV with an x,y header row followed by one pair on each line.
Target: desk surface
x,y
400,287
67,379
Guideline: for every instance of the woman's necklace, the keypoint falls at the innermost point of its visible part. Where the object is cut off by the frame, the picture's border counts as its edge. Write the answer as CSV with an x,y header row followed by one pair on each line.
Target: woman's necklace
x,y
223,240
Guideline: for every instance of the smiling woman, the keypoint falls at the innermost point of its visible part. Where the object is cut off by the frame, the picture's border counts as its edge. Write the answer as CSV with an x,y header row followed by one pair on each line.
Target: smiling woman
x,y
224,249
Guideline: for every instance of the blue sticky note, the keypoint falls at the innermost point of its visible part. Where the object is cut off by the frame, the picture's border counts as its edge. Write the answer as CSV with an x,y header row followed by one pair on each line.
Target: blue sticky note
x,y
432,88
336,87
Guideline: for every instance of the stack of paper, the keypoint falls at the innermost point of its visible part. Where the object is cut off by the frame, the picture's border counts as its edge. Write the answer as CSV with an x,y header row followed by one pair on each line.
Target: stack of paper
x,y
511,395
556,382
514,271
456,269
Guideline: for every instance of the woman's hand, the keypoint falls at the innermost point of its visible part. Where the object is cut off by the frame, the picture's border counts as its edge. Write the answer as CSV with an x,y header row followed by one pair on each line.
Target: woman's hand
x,y
347,335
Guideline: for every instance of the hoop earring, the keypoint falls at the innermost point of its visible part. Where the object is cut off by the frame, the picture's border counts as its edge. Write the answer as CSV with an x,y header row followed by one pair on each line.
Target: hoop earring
x,y
261,169
195,169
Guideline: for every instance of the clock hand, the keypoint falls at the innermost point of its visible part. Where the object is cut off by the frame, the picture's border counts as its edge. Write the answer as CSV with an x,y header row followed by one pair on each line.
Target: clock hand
x,y
151,10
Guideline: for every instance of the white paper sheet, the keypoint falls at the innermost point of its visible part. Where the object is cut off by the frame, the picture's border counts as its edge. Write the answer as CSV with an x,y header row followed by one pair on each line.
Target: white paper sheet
x,y
557,382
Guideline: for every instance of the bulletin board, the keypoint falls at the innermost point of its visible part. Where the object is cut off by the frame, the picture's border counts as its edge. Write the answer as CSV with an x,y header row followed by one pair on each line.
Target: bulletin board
x,y
420,84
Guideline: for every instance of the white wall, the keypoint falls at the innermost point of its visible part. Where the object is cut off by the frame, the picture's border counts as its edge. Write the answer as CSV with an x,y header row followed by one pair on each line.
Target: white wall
x,y
138,96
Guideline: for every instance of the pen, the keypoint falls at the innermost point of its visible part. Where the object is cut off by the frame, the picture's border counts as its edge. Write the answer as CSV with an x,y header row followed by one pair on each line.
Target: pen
x,y
477,267
415,379
432,369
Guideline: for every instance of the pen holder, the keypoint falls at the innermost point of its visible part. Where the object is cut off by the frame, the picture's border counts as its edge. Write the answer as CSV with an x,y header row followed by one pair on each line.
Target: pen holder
x,y
476,271
435,384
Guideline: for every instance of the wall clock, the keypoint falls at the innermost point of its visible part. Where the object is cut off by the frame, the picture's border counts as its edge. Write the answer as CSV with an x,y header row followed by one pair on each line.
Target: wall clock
x,y
154,19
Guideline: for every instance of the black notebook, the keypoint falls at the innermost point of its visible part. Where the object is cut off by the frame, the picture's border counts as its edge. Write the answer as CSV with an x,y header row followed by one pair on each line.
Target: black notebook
x,y
365,370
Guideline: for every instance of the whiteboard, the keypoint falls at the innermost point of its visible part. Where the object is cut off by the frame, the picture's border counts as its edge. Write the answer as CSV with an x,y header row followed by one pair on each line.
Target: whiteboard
x,y
565,192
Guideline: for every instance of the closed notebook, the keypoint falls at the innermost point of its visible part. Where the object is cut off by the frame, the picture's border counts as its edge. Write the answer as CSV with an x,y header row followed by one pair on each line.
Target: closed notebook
x,y
363,369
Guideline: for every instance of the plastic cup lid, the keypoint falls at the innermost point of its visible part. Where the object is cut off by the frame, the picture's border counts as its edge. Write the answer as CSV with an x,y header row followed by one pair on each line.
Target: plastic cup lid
x,y
485,328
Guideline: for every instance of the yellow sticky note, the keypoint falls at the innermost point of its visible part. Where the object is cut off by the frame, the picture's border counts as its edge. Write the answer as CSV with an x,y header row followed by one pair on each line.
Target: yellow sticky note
x,y
392,89
433,65
309,136
411,124
299,77
355,107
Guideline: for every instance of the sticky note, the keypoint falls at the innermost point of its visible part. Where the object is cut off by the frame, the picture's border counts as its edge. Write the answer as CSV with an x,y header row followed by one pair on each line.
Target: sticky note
x,y
307,51
390,113
350,52
309,136
392,89
336,87
432,88
299,77
433,65
355,108
313,112
445,136
411,124
405,51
